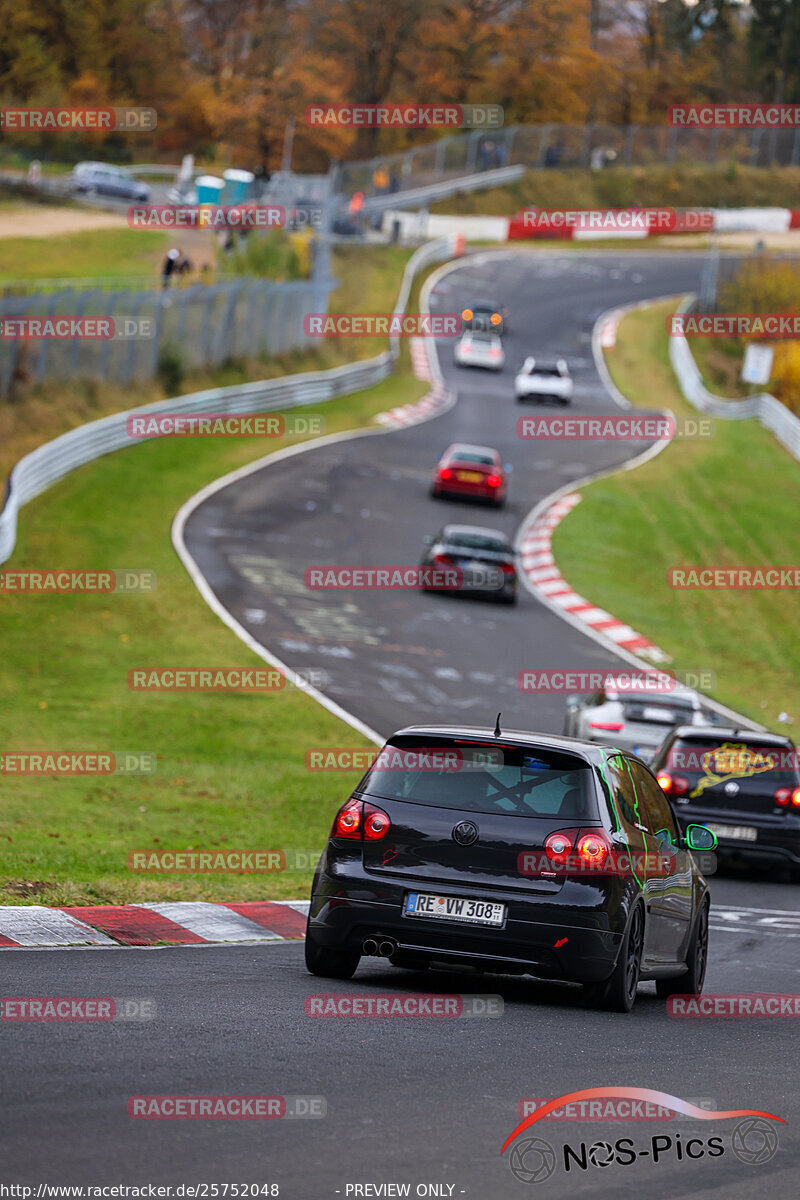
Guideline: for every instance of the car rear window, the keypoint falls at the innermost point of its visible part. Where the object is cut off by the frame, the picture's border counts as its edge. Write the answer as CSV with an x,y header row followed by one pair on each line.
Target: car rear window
x,y
545,371
474,541
485,459
720,759
658,709
512,781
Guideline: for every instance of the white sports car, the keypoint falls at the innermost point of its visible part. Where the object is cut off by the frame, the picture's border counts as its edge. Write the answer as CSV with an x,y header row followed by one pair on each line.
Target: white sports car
x,y
479,350
543,381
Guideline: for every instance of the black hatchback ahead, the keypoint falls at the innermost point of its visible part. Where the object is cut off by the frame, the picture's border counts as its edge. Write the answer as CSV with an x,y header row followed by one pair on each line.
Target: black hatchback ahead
x,y
513,852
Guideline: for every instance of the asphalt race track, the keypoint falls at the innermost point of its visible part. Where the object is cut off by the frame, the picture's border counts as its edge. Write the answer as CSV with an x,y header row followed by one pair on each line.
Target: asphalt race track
x,y
231,1019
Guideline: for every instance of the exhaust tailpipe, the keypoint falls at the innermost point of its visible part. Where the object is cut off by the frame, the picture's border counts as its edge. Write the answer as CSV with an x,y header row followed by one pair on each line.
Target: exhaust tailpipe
x,y
370,947
387,948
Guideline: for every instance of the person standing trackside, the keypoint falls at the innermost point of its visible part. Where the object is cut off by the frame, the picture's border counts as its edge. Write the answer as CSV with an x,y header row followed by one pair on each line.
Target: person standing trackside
x,y
170,263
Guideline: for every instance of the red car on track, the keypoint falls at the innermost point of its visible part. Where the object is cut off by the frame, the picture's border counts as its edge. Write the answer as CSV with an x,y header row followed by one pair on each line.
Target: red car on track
x,y
475,471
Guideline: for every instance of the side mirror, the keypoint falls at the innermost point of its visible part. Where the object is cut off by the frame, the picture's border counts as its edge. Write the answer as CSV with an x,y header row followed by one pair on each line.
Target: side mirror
x,y
573,701
699,837
428,540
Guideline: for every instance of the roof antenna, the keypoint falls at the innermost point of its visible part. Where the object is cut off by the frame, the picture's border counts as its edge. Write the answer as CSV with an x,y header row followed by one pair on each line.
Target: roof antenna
x,y
497,730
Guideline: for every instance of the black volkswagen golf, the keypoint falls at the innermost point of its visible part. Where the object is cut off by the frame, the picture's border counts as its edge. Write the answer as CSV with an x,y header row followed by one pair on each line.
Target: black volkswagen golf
x,y
513,852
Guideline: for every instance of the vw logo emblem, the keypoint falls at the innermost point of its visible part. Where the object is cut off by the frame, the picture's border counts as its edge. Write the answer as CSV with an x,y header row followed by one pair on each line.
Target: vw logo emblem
x,y
731,789
465,833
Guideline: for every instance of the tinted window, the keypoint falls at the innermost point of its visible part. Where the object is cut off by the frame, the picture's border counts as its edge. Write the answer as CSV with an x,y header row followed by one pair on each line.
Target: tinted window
x,y
473,458
512,781
475,541
627,802
653,804
707,761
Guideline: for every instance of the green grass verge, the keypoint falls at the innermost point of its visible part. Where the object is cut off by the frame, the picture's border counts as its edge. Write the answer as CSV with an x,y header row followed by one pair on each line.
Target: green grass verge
x,y
231,767
731,499
93,253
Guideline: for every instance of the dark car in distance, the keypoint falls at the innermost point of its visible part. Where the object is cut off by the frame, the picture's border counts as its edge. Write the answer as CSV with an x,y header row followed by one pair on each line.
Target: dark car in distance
x,y
512,852
743,785
471,560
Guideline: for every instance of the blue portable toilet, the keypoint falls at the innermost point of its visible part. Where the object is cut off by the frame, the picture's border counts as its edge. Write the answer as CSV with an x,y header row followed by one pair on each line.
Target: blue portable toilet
x,y
209,189
238,185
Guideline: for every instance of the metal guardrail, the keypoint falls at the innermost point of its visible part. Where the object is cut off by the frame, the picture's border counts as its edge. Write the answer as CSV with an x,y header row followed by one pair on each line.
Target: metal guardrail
x,y
765,408
413,197
38,470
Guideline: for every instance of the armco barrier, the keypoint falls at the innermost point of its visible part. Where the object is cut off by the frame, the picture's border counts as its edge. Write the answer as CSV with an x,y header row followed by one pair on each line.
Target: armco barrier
x,y
37,471
765,408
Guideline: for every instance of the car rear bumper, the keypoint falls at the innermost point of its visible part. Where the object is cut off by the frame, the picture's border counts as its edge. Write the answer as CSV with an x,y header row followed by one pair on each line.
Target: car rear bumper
x,y
341,917
478,491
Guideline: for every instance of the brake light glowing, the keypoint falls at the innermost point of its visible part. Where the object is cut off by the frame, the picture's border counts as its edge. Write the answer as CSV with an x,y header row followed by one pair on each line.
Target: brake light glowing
x,y
376,823
593,849
558,847
665,781
495,352
445,473
467,314
508,568
348,821
495,318
443,560
674,785
786,796
494,480
614,726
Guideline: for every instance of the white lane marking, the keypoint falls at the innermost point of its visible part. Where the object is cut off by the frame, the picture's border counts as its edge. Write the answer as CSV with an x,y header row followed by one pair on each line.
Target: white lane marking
x,y
35,925
732,919
213,922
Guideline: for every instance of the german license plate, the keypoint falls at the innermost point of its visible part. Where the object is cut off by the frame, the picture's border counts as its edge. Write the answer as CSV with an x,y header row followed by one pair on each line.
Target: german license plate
x,y
742,833
470,476
454,908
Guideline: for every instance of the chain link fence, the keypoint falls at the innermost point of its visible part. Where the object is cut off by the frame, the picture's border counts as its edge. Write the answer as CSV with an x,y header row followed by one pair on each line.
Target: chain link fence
x,y
203,325
570,146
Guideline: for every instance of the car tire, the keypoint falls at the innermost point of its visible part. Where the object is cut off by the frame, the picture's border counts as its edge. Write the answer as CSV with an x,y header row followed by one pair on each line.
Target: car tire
x,y
618,993
691,983
329,963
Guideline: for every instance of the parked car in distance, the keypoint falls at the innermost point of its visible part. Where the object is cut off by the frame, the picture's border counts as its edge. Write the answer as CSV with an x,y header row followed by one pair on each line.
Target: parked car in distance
x,y
104,179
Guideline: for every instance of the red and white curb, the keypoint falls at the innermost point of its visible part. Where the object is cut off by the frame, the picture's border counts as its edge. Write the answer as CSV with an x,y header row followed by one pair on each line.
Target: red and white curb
x,y
169,922
437,401
550,586
419,358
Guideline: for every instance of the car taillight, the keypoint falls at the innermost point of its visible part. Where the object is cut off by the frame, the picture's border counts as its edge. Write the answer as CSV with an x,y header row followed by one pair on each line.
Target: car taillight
x,y
376,823
593,849
467,314
445,473
614,726
348,821
673,785
495,318
508,568
786,796
494,480
495,352
558,846
443,560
